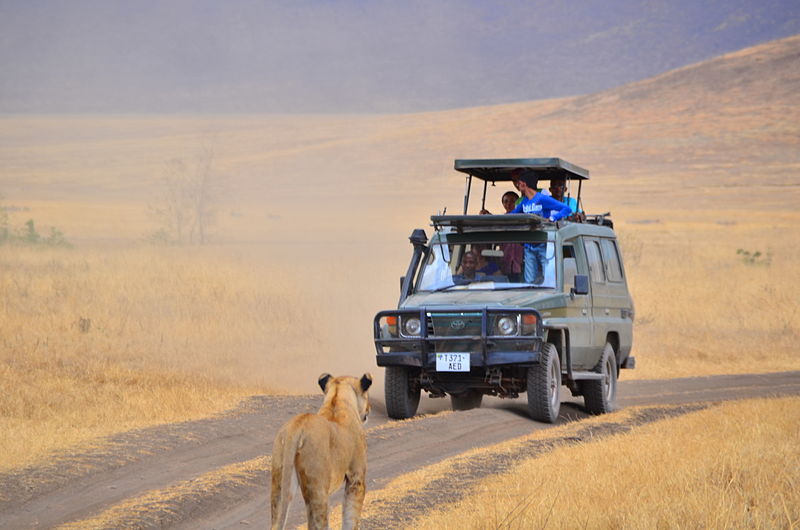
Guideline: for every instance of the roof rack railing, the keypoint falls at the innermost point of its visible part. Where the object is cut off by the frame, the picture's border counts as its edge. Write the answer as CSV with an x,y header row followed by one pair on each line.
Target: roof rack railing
x,y
466,223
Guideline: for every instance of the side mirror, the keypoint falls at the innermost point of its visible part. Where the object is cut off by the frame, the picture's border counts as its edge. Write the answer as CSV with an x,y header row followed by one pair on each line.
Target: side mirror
x,y
581,285
402,281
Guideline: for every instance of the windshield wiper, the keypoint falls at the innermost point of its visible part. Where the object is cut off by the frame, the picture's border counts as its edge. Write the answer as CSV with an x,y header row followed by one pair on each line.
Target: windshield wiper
x,y
446,287
522,286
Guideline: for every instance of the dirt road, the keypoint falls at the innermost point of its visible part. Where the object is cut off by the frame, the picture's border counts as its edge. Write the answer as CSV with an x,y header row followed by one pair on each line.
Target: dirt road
x,y
171,459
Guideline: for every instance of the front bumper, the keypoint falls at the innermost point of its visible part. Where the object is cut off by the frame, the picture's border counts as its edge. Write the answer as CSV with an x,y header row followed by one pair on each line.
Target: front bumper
x,y
486,348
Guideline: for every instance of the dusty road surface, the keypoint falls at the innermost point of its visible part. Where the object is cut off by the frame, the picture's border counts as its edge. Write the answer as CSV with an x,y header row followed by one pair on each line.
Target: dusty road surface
x,y
176,475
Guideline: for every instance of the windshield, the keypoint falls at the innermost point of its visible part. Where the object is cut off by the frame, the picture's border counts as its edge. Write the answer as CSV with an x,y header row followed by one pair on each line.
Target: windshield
x,y
488,265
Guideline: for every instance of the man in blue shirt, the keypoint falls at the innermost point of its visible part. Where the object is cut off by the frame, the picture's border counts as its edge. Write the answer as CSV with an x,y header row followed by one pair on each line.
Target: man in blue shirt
x,y
543,206
539,203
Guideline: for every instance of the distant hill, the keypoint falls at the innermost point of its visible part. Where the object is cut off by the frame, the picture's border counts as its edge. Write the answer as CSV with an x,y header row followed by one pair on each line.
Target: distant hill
x,y
705,135
206,56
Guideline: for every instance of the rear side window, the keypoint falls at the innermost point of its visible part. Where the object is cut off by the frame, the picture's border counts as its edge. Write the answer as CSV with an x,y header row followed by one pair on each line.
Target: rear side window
x,y
595,261
611,256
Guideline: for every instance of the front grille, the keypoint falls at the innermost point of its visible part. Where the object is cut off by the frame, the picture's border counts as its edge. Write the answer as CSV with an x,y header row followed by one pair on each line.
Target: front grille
x,y
455,325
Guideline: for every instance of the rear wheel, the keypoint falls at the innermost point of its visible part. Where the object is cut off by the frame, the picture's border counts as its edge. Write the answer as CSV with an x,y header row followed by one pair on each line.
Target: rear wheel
x,y
471,399
401,392
600,396
544,386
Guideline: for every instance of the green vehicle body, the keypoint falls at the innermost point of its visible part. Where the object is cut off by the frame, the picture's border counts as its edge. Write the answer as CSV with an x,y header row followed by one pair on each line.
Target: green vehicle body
x,y
573,328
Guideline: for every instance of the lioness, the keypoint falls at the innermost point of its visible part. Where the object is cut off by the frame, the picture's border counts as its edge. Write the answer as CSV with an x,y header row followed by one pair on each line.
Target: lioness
x,y
320,451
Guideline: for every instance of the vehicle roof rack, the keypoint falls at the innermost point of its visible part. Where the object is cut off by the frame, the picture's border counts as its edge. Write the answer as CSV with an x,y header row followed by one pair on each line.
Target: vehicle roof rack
x,y
472,223
602,219
499,169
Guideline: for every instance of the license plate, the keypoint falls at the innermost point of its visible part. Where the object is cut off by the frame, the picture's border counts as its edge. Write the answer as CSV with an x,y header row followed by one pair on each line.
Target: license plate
x,y
452,362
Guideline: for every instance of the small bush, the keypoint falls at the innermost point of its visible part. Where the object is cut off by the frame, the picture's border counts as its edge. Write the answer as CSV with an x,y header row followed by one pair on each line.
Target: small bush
x,y
755,257
28,235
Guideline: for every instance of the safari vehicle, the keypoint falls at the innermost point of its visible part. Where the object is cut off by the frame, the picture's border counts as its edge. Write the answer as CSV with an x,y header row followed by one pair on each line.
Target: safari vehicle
x,y
497,334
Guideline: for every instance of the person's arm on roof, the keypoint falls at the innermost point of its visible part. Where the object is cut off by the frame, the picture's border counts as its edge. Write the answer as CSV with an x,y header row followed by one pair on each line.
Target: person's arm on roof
x,y
558,210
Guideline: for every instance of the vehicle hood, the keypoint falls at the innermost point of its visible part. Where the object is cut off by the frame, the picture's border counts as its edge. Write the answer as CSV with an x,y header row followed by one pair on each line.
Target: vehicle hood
x,y
538,299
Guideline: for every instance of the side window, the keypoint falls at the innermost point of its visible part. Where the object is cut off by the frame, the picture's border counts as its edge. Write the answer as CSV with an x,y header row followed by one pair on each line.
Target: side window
x,y
611,255
595,262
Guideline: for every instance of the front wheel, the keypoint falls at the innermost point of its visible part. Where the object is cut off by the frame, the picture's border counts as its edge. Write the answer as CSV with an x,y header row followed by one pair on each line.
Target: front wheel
x,y
471,399
401,392
600,396
544,386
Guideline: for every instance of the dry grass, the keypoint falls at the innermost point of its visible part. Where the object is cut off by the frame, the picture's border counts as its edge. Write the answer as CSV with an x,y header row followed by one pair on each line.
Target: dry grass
x,y
96,342
178,333
731,466
702,308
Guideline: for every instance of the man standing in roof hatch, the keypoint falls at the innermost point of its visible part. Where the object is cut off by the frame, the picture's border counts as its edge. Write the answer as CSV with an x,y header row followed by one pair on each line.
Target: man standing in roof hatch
x,y
539,203
543,206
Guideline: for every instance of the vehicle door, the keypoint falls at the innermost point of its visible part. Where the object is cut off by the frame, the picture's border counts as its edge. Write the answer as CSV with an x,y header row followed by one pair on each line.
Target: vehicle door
x,y
618,300
602,302
578,307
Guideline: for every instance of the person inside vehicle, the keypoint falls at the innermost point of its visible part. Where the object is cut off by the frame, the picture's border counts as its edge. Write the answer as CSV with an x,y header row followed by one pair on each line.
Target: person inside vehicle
x,y
515,174
509,200
557,189
511,263
484,265
469,269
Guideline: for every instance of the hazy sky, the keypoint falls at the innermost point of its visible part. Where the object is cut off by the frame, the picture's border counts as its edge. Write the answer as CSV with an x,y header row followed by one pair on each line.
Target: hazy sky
x,y
354,55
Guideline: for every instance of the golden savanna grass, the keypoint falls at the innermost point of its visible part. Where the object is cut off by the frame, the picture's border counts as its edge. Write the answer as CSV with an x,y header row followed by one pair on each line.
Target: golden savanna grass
x,y
703,306
175,333
734,465
96,342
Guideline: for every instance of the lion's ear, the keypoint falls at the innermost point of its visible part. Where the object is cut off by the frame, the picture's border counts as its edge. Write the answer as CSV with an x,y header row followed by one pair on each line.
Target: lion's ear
x,y
366,381
323,381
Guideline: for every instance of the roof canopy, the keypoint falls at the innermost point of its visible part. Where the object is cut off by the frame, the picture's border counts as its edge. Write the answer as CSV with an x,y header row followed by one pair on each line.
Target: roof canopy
x,y
499,169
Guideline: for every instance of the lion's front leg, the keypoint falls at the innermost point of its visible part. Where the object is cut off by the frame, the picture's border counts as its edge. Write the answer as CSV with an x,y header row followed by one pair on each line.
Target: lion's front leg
x,y
354,490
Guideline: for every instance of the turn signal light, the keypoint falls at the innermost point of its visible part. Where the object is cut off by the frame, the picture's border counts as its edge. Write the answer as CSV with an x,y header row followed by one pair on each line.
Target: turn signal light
x,y
529,322
390,325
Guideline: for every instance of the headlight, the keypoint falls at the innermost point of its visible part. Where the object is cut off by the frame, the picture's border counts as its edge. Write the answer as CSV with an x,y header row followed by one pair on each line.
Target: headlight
x,y
507,326
411,326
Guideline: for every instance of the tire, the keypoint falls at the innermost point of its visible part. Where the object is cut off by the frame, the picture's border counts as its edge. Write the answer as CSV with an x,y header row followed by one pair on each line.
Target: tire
x,y
600,396
544,386
471,399
401,392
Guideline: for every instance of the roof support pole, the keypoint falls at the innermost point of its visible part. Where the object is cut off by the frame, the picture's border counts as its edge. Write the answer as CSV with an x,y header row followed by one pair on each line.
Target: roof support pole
x,y
466,193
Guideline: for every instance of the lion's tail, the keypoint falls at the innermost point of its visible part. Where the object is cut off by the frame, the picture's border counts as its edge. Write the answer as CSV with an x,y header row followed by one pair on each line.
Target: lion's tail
x,y
287,486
